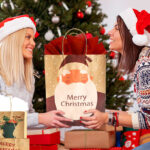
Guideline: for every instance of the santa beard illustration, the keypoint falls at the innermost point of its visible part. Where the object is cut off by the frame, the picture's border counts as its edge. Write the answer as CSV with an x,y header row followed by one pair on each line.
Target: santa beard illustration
x,y
75,98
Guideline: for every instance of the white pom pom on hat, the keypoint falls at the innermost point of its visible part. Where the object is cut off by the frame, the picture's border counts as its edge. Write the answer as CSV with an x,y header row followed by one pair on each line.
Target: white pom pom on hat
x,y
11,25
140,39
137,23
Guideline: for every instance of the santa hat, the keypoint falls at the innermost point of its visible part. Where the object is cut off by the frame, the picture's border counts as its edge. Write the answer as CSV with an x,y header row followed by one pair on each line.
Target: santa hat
x,y
138,24
80,62
14,24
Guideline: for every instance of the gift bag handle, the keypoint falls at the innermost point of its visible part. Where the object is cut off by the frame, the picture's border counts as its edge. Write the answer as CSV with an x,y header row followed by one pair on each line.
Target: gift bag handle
x,y
74,33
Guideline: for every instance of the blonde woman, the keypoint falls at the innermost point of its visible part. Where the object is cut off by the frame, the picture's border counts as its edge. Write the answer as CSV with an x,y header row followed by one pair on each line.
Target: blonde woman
x,y
16,69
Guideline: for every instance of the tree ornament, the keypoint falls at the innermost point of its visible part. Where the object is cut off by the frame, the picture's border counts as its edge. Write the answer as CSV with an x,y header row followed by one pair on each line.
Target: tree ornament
x,y
112,55
89,3
35,1
55,19
50,9
88,35
49,35
3,4
59,31
102,30
11,4
88,10
80,14
65,6
121,78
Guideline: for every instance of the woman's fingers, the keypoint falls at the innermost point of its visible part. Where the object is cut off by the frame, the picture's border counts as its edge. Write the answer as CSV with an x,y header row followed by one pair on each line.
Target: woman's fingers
x,y
88,123
58,123
63,119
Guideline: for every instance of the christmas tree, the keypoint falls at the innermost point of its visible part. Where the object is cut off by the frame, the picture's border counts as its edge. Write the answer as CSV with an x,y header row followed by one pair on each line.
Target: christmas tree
x,y
54,18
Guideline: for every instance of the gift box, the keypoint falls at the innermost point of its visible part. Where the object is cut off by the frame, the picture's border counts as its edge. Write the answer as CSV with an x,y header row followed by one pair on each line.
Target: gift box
x,y
144,136
132,140
113,148
45,139
107,127
144,139
88,149
89,139
43,147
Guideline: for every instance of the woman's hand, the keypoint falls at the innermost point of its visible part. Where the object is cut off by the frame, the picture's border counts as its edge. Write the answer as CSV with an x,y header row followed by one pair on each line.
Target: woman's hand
x,y
96,120
53,119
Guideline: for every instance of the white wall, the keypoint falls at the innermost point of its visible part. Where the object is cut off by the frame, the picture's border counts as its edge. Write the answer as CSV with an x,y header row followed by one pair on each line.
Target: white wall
x,y
113,7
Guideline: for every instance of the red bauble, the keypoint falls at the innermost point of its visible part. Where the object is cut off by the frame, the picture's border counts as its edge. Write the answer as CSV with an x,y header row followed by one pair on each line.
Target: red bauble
x,y
102,30
112,55
44,72
88,35
121,79
80,14
89,3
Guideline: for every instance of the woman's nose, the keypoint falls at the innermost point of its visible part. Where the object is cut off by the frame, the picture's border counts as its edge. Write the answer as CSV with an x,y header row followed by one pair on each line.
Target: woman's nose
x,y
110,33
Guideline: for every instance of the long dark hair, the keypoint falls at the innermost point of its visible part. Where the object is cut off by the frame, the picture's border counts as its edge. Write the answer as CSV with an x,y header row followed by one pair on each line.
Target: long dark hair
x,y
127,60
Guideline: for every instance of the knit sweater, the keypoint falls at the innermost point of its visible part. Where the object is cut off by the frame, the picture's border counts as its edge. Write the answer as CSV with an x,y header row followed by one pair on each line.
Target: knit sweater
x,y
141,77
22,93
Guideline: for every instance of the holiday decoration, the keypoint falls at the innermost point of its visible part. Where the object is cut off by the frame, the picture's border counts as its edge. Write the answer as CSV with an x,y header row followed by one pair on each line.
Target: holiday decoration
x,y
3,4
55,19
89,3
88,10
102,30
112,55
121,78
50,9
12,5
80,14
88,35
59,31
65,6
49,35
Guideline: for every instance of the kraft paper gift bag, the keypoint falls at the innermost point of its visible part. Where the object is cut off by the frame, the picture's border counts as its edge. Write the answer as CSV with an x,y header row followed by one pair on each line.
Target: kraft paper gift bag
x,y
75,70
13,123
14,144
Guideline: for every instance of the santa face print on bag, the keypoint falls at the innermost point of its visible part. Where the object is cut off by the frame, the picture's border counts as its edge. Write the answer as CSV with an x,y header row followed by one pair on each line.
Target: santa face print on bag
x,y
74,92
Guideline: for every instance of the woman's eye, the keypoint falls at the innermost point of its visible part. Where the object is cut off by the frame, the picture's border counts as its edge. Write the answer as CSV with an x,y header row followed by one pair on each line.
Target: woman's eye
x,y
28,36
116,27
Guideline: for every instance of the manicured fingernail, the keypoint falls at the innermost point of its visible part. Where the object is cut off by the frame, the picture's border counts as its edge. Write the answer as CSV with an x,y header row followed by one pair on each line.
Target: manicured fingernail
x,y
80,121
85,111
80,117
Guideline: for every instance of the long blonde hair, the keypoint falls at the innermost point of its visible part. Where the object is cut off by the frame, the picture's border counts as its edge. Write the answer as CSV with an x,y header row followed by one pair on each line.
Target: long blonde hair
x,y
13,67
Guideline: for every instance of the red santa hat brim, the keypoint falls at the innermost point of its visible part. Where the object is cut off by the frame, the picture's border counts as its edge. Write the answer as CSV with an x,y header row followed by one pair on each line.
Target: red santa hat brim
x,y
11,25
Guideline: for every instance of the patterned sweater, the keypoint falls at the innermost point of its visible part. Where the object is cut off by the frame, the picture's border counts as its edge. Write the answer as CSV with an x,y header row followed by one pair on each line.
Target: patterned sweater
x,y
141,76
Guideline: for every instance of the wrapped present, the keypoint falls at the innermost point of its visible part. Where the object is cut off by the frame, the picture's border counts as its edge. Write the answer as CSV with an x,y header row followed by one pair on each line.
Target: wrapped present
x,y
107,127
132,140
113,148
14,144
43,147
144,136
44,136
89,139
42,131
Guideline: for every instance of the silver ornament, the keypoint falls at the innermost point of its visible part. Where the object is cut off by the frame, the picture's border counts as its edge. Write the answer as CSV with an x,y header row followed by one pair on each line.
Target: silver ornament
x,y
55,19
49,35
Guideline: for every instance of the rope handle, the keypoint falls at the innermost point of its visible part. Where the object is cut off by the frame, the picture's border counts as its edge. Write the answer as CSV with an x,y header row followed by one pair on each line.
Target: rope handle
x,y
74,34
